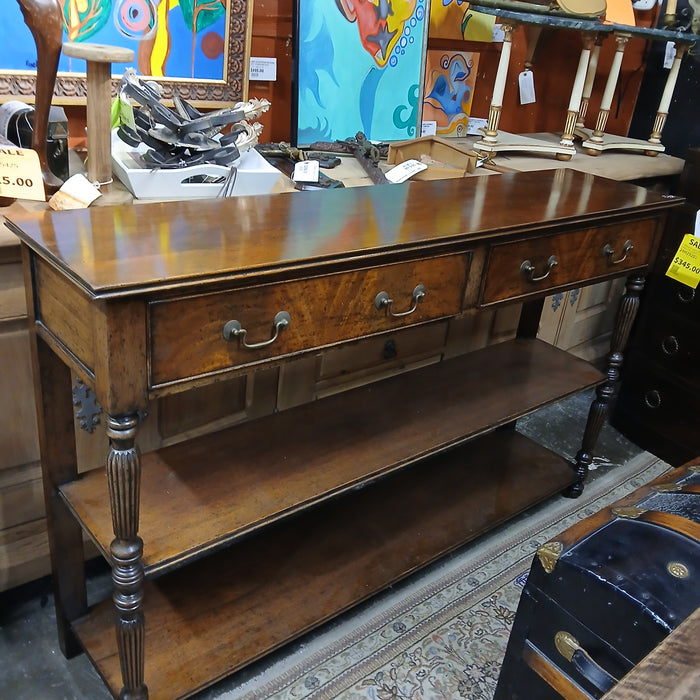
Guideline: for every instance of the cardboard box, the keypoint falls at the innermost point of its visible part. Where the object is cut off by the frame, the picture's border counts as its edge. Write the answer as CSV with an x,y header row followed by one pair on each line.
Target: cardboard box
x,y
443,158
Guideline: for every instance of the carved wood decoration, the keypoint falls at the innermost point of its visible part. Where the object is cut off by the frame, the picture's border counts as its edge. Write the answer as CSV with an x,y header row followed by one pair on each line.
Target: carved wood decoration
x,y
71,89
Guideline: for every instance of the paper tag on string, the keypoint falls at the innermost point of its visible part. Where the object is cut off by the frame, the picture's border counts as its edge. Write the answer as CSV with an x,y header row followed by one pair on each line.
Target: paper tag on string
x,y
402,171
685,266
526,82
669,54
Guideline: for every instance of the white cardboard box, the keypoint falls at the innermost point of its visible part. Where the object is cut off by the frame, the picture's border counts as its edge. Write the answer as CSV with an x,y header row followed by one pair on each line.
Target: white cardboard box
x,y
254,175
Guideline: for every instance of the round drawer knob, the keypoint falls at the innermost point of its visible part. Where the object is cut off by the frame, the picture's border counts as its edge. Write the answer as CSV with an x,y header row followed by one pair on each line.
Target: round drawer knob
x,y
670,345
652,398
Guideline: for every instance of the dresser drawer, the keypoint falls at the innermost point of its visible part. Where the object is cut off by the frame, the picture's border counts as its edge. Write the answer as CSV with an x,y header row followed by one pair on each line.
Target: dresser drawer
x,y
187,334
677,298
672,342
540,265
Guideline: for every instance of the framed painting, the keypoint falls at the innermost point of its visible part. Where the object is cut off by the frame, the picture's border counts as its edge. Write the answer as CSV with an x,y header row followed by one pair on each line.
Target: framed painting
x,y
358,66
453,19
198,48
450,77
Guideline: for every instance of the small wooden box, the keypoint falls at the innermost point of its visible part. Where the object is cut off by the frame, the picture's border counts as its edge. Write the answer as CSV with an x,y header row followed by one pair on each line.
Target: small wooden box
x,y
444,159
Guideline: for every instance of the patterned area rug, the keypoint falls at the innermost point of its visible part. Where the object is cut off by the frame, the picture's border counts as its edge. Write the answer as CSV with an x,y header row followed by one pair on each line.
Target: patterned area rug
x,y
440,635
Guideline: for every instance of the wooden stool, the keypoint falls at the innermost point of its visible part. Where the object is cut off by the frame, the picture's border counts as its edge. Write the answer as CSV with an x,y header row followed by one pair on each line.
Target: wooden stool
x,y
99,96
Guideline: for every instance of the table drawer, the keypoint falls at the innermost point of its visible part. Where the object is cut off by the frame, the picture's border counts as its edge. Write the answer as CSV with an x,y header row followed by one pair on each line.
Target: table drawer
x,y
540,265
187,334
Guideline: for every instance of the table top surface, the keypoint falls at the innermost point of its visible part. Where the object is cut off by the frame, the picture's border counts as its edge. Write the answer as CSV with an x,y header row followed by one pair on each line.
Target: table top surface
x,y
116,250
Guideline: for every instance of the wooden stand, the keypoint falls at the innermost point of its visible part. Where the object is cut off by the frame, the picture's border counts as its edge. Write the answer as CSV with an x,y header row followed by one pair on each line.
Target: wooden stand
x,y
226,546
492,142
99,59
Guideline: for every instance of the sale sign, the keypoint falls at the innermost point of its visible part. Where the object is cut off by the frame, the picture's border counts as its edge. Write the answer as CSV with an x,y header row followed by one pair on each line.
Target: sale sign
x,y
20,174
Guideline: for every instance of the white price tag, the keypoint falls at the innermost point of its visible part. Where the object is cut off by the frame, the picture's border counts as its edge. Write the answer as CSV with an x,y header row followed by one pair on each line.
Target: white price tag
x,y
696,232
20,174
475,125
261,68
306,171
669,54
402,171
428,128
526,82
498,34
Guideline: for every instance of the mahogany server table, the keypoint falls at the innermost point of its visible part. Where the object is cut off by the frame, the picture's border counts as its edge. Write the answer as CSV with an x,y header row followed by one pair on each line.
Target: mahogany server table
x,y
228,545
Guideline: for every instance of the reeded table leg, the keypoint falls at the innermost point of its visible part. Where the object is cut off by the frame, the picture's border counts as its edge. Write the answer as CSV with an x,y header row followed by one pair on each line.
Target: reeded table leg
x,y
626,313
124,477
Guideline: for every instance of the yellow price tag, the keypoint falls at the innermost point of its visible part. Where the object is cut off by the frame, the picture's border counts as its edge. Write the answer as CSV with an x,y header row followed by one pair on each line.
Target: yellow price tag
x,y
685,266
20,174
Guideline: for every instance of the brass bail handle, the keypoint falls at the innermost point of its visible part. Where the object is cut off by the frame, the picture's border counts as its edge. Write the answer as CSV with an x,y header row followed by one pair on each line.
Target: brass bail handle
x,y
233,330
609,252
528,269
383,301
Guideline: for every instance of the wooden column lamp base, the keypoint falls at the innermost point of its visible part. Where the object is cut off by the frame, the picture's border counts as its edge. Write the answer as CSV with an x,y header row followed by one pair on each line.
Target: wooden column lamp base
x,y
99,96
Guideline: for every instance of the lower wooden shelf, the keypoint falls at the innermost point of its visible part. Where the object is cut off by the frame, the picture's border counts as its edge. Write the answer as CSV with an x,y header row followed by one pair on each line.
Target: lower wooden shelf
x,y
209,619
202,495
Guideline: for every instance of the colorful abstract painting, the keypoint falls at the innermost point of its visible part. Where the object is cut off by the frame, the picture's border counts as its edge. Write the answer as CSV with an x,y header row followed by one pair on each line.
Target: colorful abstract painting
x,y
178,39
449,87
453,19
359,67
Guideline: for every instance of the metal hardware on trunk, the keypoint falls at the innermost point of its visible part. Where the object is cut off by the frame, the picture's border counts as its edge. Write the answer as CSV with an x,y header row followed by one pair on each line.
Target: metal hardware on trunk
x,y
609,252
675,568
383,301
628,512
566,644
548,554
528,269
652,398
233,329
667,488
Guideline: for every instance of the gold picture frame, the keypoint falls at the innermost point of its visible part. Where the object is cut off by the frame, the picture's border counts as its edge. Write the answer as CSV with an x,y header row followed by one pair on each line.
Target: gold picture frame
x,y
70,88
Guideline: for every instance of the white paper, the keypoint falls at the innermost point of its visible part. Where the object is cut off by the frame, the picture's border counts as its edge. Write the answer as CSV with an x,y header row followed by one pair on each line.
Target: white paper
x,y
262,68
77,192
526,82
498,34
428,128
306,171
669,54
696,232
402,171
475,125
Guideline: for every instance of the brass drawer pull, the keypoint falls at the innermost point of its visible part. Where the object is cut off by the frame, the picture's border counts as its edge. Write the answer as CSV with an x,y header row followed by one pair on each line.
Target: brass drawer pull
x,y
609,252
382,301
528,269
233,329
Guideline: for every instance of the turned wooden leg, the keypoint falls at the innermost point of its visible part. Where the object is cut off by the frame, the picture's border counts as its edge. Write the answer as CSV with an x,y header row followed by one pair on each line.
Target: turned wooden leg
x,y
665,103
124,478
597,414
491,132
609,92
567,137
588,84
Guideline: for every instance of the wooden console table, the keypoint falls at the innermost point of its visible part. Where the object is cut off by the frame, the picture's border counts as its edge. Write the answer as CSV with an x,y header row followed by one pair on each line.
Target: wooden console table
x,y
226,546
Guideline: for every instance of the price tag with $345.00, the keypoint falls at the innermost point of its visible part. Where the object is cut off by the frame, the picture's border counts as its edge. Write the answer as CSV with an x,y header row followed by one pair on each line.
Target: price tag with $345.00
x,y
20,174
685,266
